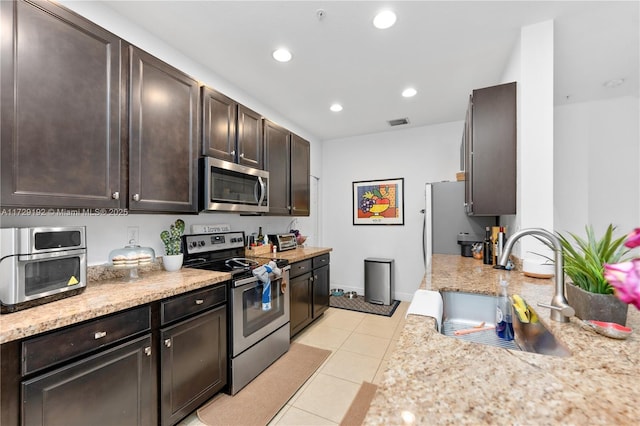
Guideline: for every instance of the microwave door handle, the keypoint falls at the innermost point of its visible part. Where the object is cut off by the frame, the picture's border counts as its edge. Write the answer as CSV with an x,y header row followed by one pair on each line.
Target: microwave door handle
x,y
263,189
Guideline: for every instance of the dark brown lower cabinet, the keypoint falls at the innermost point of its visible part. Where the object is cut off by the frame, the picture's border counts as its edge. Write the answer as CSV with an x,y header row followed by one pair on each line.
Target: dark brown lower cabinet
x,y
193,362
113,387
308,291
320,290
300,302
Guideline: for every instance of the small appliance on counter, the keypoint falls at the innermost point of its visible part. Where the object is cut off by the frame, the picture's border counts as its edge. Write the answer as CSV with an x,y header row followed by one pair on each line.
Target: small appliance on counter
x,y
283,241
466,241
40,265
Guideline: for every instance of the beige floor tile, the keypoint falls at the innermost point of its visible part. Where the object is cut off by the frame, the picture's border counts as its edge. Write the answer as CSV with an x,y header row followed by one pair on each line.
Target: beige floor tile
x,y
296,417
328,397
324,337
341,318
351,366
366,344
377,326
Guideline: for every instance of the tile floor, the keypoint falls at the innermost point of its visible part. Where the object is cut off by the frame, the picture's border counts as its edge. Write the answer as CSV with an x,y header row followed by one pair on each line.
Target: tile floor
x,y
360,344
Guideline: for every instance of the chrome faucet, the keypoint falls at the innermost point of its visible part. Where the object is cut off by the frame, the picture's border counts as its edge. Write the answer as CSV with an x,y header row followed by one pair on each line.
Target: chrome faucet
x,y
560,309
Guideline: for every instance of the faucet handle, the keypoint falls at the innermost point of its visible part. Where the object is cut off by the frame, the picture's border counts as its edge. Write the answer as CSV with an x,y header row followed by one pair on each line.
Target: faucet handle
x,y
566,310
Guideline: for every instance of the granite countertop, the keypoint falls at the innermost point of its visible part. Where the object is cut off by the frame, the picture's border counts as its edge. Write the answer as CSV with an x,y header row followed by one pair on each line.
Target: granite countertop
x,y
296,255
108,292
433,379
104,297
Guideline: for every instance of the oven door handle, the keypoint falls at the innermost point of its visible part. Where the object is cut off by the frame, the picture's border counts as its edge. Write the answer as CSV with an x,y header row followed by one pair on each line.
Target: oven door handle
x,y
253,280
51,255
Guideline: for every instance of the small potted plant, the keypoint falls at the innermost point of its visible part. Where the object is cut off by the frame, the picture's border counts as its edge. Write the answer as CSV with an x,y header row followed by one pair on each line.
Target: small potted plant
x,y
172,240
588,291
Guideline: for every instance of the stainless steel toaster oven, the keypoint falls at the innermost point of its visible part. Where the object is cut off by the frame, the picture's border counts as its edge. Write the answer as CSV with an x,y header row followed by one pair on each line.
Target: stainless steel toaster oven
x,y
41,264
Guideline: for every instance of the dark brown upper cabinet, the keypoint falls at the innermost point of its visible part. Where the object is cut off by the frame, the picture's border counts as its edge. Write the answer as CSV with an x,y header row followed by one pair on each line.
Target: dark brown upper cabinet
x,y
62,104
277,141
490,151
300,174
231,131
287,158
163,136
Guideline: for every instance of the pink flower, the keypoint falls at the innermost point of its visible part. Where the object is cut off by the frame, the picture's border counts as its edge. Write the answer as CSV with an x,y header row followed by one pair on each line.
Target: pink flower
x,y
633,239
625,278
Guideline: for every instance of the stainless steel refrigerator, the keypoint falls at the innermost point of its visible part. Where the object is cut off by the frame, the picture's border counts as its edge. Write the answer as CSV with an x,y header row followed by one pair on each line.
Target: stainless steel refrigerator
x,y
445,218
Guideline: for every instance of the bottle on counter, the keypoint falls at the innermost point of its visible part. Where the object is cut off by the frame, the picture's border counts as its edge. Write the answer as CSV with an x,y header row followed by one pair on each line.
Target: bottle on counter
x,y
487,255
260,237
504,320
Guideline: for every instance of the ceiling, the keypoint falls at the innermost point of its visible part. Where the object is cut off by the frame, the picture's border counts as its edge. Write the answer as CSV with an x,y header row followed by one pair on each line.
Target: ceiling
x,y
444,49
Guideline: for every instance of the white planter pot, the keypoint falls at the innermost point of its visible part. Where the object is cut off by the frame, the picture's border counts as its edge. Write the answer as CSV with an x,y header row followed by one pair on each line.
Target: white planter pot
x,y
172,262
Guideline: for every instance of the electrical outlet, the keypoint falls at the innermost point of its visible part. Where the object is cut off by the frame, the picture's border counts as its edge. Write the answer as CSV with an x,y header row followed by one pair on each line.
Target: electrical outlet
x,y
133,233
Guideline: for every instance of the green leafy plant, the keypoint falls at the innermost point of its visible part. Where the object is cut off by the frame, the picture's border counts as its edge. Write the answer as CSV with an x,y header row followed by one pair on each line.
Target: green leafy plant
x,y
172,238
584,259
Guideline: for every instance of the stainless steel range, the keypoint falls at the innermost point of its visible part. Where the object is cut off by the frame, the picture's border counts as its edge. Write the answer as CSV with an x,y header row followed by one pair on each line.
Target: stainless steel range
x,y
259,333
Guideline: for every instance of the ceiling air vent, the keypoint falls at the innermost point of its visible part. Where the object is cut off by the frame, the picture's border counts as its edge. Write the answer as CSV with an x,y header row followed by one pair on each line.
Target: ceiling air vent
x,y
398,122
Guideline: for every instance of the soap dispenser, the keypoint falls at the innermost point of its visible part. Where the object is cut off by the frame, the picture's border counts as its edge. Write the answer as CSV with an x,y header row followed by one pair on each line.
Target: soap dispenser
x,y
504,324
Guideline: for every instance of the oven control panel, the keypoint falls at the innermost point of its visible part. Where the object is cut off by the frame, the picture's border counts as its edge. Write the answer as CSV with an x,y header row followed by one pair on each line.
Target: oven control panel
x,y
205,243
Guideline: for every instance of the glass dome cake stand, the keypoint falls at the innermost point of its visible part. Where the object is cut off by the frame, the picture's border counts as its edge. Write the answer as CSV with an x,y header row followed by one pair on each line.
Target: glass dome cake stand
x,y
130,258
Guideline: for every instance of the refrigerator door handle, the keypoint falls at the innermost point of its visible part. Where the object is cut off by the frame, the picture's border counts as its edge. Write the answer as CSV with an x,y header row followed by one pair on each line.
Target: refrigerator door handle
x,y
424,228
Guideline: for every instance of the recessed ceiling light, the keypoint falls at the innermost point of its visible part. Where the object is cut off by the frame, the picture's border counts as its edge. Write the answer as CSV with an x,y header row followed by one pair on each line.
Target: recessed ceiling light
x,y
336,107
409,92
384,19
610,84
282,55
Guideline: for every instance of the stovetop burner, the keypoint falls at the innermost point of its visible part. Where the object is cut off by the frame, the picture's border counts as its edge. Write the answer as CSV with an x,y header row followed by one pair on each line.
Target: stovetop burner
x,y
223,252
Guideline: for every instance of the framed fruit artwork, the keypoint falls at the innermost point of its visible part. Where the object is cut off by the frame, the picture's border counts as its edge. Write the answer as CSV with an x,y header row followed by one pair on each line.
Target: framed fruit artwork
x,y
378,202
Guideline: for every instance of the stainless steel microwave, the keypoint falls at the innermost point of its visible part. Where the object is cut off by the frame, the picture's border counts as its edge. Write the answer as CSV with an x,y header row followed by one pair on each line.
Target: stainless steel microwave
x,y
40,265
232,187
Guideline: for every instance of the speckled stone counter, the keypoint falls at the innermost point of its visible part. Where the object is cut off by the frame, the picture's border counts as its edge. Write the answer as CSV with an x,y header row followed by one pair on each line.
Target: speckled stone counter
x,y
432,379
104,297
298,254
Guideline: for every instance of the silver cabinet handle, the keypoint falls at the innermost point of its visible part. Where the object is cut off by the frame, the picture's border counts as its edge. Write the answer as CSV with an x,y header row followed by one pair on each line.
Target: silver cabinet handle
x,y
136,197
199,301
115,195
167,343
99,334
147,351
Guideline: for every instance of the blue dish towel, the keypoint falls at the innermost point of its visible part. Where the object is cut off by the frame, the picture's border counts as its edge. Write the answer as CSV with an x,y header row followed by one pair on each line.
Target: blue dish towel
x,y
262,273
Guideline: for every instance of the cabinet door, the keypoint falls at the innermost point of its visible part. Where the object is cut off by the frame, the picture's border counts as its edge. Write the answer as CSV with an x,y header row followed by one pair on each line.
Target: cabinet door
x,y
163,136
300,302
193,363
320,290
250,142
277,163
493,151
114,387
219,115
300,171
61,107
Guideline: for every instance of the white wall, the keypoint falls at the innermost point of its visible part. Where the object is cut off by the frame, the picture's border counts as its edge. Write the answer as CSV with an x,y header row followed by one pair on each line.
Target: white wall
x,y
419,155
531,65
597,147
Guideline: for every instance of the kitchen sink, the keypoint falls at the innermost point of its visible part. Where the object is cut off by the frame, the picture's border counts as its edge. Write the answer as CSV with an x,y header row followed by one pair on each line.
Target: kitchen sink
x,y
464,311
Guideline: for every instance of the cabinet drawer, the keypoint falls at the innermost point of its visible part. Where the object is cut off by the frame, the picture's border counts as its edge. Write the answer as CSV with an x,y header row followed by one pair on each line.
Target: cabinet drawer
x,y
192,303
300,268
53,348
321,260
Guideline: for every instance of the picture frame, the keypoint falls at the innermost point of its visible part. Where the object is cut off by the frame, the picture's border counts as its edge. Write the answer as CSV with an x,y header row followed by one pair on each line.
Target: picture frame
x,y
378,202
